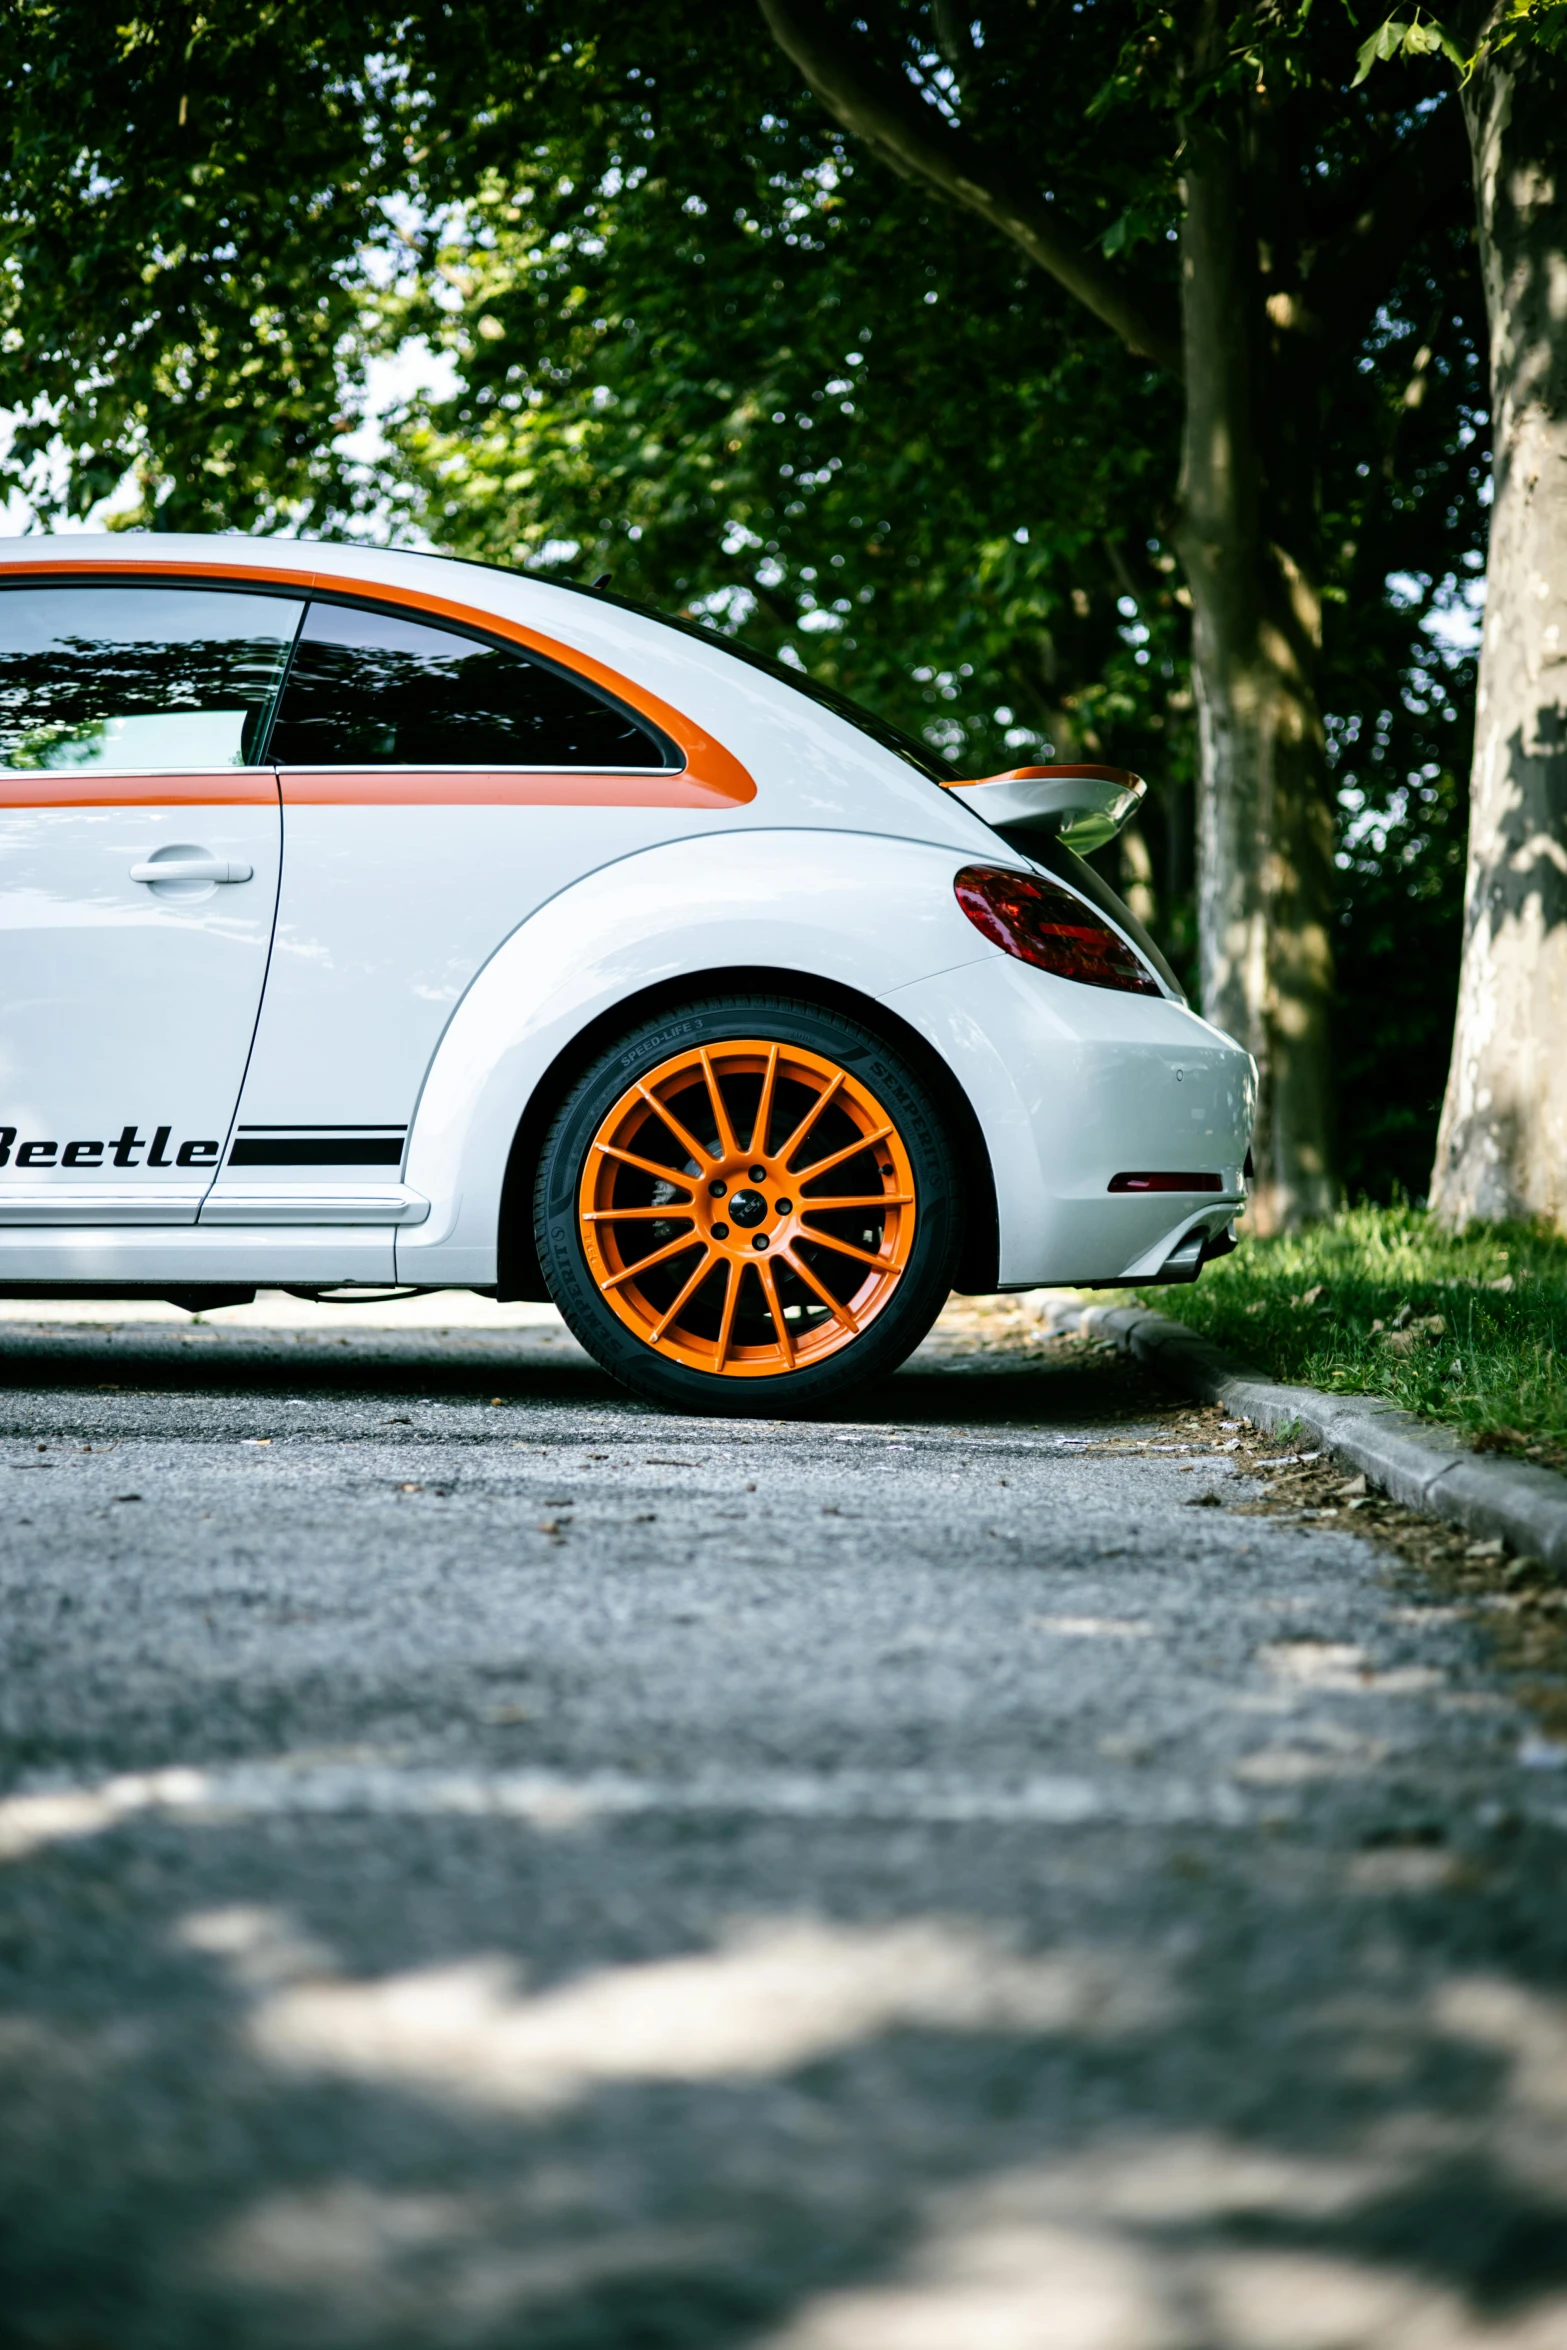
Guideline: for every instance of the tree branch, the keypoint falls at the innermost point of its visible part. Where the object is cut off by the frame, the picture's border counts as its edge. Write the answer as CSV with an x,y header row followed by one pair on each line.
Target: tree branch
x,y
1351,271
887,116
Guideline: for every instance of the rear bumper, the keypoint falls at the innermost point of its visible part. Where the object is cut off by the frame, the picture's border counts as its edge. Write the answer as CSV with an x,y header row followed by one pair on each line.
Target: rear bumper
x,y
1074,1085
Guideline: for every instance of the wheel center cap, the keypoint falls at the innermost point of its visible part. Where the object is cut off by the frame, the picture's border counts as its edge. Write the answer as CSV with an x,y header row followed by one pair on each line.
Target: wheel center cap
x,y
747,1207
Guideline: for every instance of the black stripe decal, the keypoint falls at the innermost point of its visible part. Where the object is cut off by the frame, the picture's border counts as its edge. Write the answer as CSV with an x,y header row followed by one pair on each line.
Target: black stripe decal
x,y
346,1150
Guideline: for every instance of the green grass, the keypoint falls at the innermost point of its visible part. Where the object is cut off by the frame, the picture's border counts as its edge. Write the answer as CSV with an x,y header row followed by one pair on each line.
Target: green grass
x,y
1473,1326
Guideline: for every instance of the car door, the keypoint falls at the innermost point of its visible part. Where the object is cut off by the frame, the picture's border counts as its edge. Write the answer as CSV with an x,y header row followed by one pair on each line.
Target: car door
x,y
139,855
437,787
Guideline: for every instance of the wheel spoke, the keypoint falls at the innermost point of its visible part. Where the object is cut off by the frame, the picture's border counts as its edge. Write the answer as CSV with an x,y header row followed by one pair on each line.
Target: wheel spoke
x,y
850,1150
700,1275
728,1148
671,1248
844,1248
764,1108
785,1341
733,1275
648,1166
698,1150
715,1107
809,1120
678,1212
809,1207
840,1312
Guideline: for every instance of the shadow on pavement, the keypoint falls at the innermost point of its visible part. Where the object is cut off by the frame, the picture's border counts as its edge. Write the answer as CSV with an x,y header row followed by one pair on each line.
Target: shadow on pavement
x,y
943,1384
355,2082
379,2072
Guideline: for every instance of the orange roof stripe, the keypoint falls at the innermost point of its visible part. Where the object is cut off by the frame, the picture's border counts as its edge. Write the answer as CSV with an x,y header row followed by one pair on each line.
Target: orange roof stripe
x,y
712,773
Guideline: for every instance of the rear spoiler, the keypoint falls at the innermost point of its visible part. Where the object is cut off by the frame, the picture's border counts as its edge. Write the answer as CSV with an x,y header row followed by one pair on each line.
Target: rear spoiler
x,y
1082,807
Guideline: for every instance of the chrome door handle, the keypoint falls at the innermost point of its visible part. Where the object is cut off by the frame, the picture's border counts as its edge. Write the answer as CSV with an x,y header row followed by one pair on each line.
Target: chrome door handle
x,y
192,869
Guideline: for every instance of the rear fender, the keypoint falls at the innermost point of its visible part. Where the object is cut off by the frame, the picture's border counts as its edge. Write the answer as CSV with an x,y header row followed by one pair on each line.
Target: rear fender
x,y
862,912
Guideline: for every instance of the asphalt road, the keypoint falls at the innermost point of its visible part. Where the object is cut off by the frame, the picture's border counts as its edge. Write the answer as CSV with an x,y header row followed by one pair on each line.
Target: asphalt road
x,y
484,1864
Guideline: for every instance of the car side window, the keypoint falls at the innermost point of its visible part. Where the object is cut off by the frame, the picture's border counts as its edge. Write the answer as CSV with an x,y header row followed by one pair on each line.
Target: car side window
x,y
370,689
136,677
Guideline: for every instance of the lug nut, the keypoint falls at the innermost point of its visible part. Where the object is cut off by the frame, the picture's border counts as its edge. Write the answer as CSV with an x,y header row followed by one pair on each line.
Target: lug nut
x,y
758,1174
718,1189
720,1232
758,1240
783,1207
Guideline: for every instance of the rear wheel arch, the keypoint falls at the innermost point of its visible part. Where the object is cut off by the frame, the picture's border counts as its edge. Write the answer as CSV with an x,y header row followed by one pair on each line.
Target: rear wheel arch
x,y
748,1204
519,1273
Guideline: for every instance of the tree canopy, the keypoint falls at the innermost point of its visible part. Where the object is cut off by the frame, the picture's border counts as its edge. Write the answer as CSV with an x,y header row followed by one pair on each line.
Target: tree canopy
x,y
705,342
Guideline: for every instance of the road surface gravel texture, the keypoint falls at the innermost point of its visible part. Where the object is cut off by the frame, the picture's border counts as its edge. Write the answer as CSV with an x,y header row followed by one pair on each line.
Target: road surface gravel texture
x,y
485,1864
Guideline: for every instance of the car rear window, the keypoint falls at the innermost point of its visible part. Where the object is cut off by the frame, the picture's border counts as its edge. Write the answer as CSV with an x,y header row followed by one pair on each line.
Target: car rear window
x,y
138,677
370,689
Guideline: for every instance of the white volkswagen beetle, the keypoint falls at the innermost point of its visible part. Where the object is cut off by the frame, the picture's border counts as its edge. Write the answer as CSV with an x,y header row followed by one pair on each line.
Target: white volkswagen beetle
x,y
379,919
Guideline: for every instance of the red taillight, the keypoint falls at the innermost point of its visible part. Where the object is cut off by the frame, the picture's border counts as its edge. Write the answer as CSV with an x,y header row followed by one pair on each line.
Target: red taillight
x,y
1050,928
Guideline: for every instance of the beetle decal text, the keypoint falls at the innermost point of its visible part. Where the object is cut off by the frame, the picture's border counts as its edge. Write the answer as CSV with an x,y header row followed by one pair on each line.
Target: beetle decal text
x,y
126,1150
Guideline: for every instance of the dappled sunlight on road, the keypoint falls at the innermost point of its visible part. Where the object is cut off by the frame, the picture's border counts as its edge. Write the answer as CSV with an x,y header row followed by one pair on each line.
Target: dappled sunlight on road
x,y
1517,2024
361,2259
481,1866
993,2274
1146,2242
1115,2251
1130,2240
777,1994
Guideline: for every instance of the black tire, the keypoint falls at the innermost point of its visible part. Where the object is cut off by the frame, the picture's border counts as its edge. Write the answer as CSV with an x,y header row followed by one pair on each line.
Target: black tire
x,y
917,1153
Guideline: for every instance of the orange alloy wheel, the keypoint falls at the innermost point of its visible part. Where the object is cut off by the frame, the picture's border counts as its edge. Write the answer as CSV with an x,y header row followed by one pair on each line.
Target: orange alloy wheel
x,y
747,1208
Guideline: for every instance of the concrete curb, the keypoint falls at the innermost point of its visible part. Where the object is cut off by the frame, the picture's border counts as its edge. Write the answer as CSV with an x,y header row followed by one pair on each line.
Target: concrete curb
x,y
1425,1467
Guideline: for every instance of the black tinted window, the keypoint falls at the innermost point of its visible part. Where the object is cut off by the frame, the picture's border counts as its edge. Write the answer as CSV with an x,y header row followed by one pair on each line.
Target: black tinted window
x,y
369,689
138,677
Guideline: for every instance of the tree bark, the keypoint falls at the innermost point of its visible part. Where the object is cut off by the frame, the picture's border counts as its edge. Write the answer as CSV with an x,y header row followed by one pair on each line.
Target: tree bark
x,y
1502,1146
1265,826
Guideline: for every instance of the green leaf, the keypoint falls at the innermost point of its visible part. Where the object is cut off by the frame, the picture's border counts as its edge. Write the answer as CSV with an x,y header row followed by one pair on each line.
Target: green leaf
x,y
1394,38
1543,22
1424,40
1385,42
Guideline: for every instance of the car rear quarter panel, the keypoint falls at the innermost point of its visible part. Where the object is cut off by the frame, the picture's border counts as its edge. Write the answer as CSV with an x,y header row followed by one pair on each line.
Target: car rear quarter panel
x,y
1070,1084
864,912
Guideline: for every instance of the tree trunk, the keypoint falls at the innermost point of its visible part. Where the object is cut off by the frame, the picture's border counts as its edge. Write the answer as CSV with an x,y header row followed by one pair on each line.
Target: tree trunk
x,y
1502,1148
1265,835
